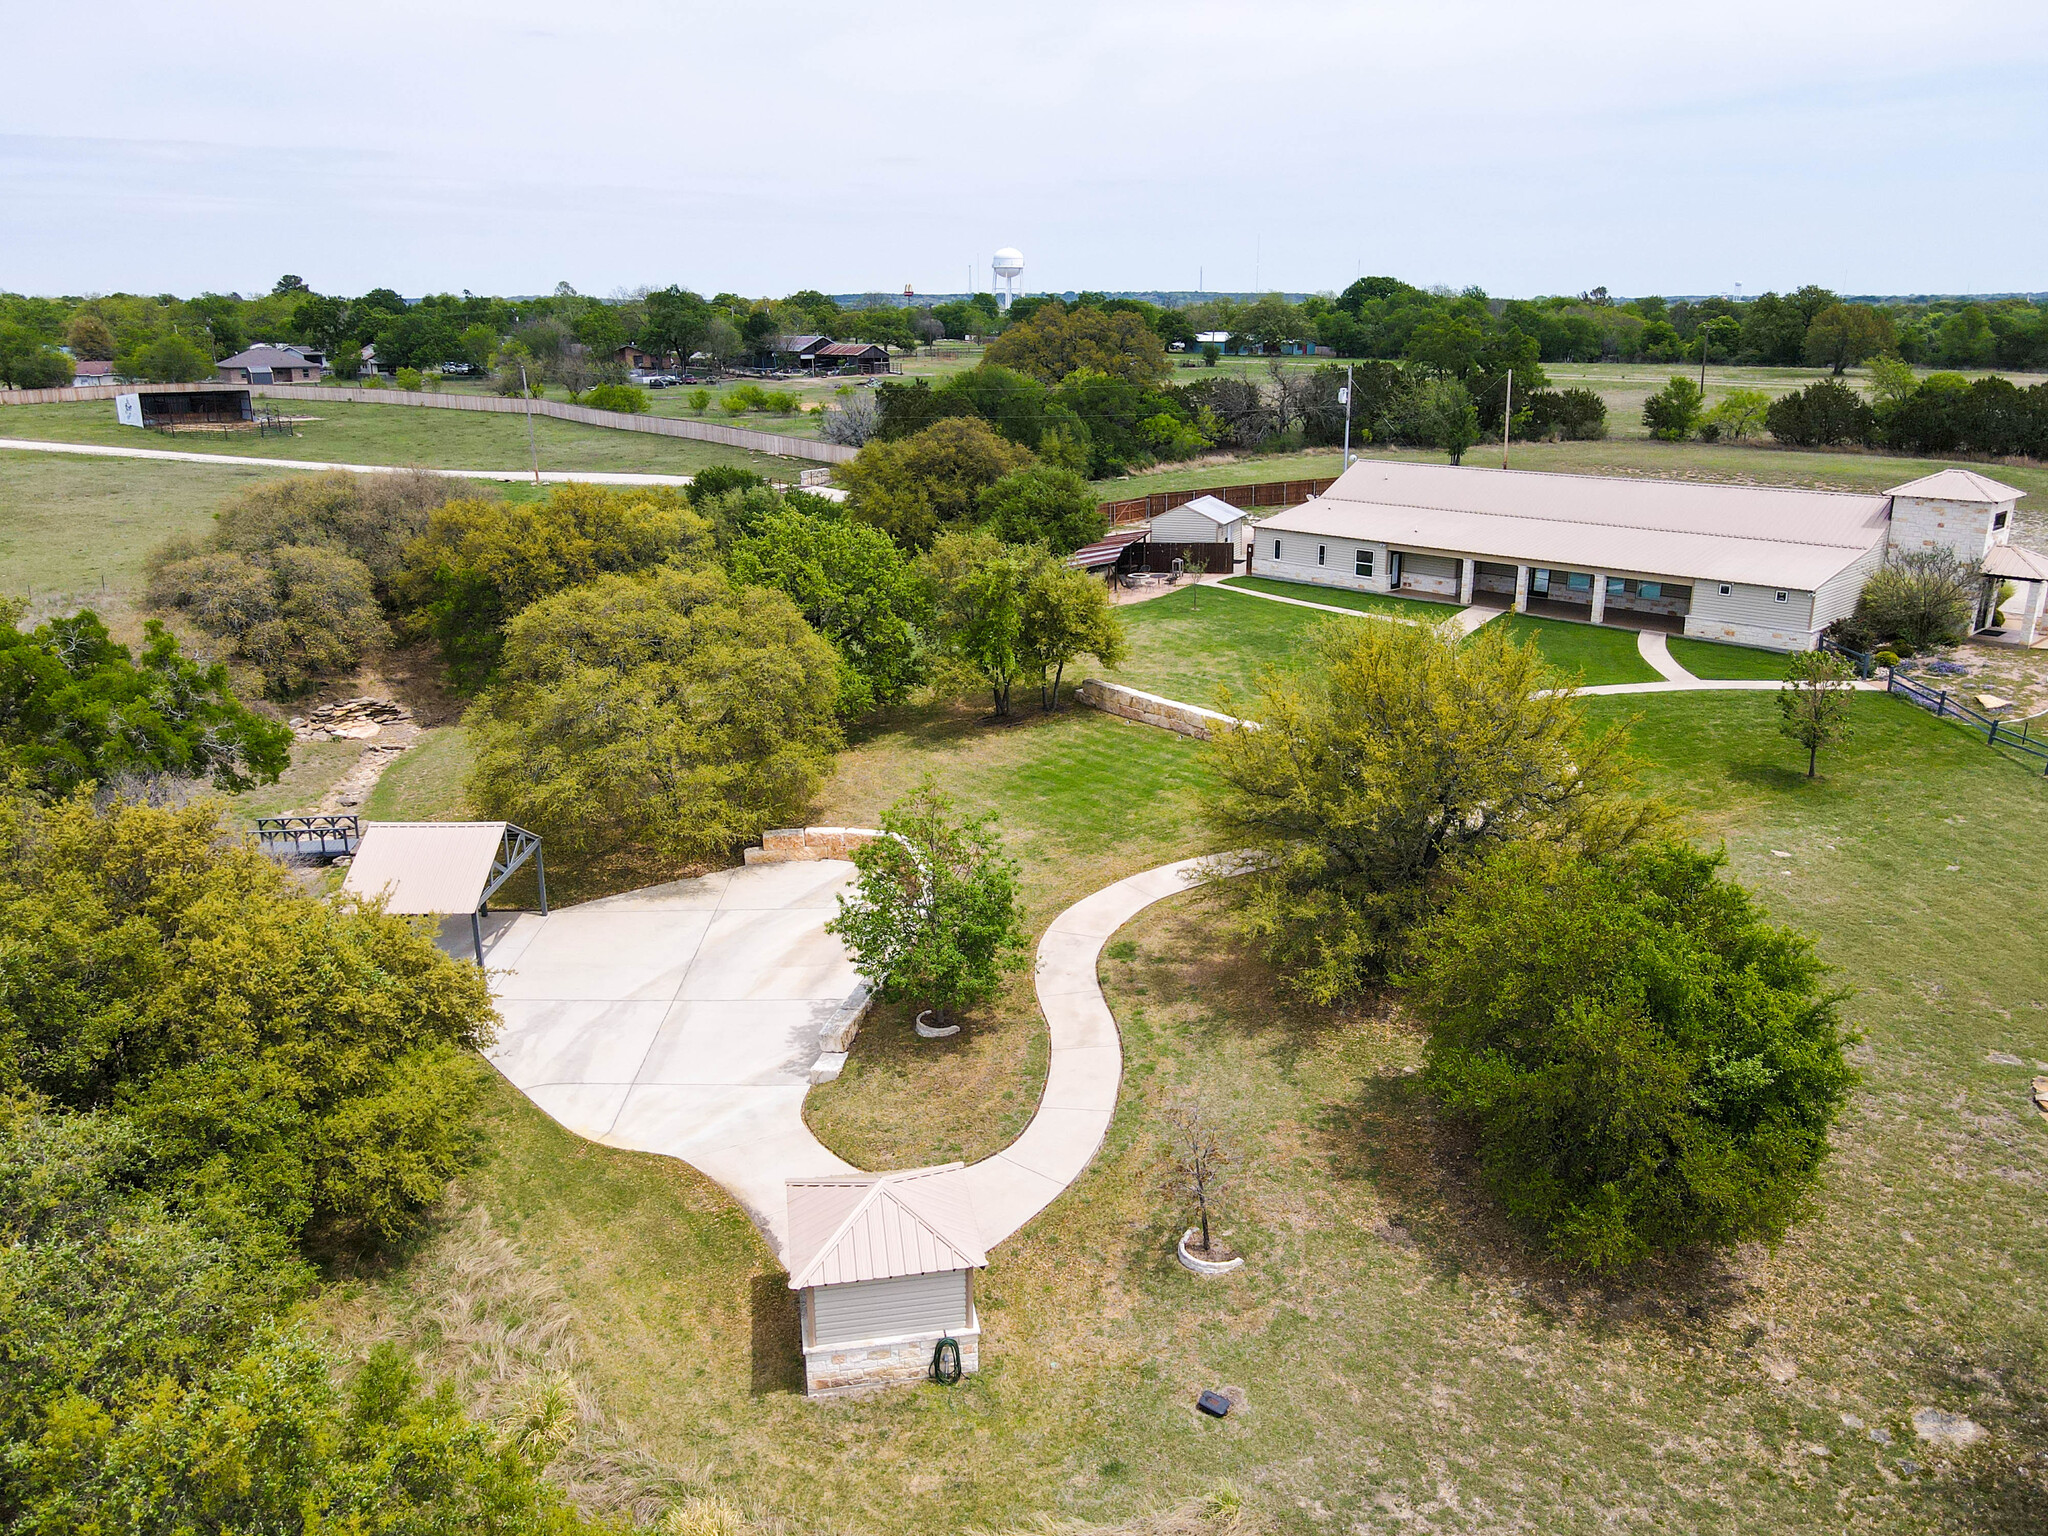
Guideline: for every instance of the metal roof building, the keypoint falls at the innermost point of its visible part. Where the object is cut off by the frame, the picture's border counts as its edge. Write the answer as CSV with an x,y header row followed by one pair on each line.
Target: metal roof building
x,y
442,868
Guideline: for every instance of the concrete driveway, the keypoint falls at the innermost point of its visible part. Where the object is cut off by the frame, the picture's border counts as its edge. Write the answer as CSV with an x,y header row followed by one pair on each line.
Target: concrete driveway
x,y
682,1019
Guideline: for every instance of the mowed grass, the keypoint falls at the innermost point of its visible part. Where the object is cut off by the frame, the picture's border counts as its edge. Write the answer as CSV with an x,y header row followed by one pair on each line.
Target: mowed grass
x,y
1192,644
1406,1362
426,782
1338,597
1708,658
401,434
1590,654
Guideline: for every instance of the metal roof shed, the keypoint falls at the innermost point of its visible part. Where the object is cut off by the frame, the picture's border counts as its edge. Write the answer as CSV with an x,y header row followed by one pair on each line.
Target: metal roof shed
x,y
442,868
882,1264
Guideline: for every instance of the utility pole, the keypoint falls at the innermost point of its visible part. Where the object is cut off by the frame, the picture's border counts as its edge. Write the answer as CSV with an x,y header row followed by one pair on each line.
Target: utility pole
x,y
1347,415
531,447
1703,360
1507,419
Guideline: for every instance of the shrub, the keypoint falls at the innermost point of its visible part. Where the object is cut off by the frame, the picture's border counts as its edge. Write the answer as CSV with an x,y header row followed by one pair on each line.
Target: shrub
x,y
1918,599
853,422
667,714
1821,415
407,378
745,397
1739,412
1886,659
1572,415
781,402
629,398
1648,1065
1673,412
700,400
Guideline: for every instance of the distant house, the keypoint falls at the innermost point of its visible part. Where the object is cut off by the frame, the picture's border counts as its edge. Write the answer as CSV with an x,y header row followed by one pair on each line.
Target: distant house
x,y
266,363
787,352
88,371
637,359
851,357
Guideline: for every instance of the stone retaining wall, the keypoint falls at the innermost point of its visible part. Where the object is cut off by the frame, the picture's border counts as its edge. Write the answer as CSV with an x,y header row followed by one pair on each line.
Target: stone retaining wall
x,y
803,845
1151,709
839,1370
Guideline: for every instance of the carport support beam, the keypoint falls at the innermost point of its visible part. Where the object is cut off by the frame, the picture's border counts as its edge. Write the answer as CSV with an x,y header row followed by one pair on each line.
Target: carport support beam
x,y
540,873
476,934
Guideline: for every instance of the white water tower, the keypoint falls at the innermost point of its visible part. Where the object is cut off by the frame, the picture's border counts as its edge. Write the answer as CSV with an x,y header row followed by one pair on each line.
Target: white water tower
x,y
1007,265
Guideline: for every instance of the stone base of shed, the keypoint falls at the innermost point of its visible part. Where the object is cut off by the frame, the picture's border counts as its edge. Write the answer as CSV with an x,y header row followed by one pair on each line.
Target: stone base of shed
x,y
841,1370
1698,628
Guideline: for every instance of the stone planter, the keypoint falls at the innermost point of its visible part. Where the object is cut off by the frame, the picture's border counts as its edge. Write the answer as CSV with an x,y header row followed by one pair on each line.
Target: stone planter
x,y
1202,1266
932,1031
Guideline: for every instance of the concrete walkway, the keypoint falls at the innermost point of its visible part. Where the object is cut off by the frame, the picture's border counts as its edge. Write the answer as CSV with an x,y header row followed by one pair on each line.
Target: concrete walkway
x,y
684,1019
1651,644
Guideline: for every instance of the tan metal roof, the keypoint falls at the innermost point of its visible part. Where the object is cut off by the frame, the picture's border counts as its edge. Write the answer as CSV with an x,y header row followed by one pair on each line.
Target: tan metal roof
x,y
2015,564
425,867
1754,534
1957,485
878,1226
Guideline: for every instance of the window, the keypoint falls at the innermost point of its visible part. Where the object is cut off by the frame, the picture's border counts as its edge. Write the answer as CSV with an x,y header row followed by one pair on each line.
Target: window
x,y
1322,554
1997,521
1578,581
1649,589
1618,586
1276,549
1726,589
1782,596
1362,563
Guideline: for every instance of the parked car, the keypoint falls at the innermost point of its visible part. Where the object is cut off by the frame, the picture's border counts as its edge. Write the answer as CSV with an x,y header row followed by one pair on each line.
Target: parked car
x,y
457,370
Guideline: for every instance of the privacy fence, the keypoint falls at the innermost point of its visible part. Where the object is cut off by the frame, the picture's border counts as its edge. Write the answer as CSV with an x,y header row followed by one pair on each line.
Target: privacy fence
x,y
618,421
1265,493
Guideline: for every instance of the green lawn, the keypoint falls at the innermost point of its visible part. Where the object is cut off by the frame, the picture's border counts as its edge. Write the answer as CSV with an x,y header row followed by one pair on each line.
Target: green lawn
x,y
1338,597
425,783
1406,1362
1591,653
1709,658
1188,644
399,434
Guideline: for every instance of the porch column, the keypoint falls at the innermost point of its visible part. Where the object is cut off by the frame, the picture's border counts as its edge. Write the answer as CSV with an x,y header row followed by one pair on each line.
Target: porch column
x,y
1599,596
2030,622
1468,581
1521,589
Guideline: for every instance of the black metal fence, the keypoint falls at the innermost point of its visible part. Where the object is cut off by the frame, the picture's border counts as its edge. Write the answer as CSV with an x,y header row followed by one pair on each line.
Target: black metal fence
x,y
2018,736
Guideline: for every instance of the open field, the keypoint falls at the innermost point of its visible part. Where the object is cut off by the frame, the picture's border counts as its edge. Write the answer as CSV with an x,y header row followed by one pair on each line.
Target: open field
x,y
1406,1362
398,434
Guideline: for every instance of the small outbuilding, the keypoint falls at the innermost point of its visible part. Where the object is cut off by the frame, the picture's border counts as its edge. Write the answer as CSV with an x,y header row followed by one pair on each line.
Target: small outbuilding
x,y
883,1267
1204,520
170,409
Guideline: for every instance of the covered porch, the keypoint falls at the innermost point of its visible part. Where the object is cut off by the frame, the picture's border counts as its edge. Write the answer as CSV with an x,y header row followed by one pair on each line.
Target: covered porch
x,y
1629,601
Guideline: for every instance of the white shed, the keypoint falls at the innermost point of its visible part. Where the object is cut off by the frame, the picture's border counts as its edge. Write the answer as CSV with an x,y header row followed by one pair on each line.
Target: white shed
x,y
882,1264
1205,520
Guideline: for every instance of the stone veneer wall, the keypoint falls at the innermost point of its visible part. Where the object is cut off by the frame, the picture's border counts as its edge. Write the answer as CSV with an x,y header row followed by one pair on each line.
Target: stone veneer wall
x,y
1151,709
803,845
839,1370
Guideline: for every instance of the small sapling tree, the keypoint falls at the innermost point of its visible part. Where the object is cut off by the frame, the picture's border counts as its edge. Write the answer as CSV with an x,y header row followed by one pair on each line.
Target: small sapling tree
x,y
1201,1156
934,920
1814,703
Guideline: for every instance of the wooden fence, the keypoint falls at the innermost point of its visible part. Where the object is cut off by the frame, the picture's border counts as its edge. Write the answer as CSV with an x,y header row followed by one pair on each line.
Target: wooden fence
x,y
660,426
1265,493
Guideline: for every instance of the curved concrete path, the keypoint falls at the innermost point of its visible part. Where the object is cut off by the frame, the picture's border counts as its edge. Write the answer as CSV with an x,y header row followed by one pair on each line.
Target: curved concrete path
x,y
683,1020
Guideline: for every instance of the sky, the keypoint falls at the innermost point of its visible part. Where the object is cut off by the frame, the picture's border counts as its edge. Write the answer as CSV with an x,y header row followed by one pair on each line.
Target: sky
x,y
761,147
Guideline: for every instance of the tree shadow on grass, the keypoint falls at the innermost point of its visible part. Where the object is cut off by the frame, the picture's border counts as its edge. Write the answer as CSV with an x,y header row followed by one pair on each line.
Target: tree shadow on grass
x,y
1781,777
777,1363
1426,1174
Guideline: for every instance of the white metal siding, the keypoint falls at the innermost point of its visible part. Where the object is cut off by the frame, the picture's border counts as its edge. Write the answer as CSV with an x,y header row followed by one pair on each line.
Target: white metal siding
x,y
1837,598
886,1309
1297,561
1753,607
1181,526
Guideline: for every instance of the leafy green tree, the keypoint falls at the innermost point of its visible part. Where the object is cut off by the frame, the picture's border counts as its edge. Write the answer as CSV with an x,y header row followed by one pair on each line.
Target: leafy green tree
x,y
1440,413
856,588
1740,412
89,336
915,488
75,708
1571,415
1650,1067
935,917
1065,613
1826,412
1918,600
27,362
169,360
1892,384
1394,757
481,562
1813,706
1845,334
1044,505
1673,412
669,715
1057,341
163,975
977,586
1447,345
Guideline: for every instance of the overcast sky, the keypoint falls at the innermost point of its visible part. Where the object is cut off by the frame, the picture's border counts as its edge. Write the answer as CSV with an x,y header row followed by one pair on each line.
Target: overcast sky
x,y
1873,146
